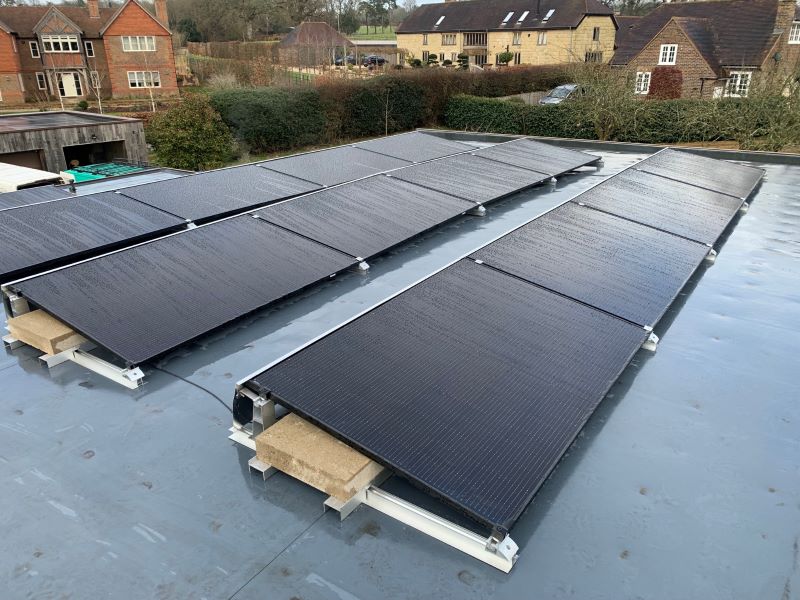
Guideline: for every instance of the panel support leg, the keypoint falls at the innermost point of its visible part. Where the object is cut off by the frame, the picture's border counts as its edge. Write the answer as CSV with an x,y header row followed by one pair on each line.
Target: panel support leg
x,y
711,257
478,211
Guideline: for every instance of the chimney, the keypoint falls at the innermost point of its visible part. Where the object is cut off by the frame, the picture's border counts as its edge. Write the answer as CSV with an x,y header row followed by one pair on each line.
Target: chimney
x,y
161,12
94,8
784,18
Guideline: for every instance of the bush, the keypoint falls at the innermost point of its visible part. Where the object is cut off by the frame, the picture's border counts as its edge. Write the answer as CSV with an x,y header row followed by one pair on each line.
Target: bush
x,y
269,119
190,136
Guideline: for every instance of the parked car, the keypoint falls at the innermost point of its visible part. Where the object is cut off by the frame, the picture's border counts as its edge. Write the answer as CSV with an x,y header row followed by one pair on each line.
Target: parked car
x,y
559,94
373,59
342,60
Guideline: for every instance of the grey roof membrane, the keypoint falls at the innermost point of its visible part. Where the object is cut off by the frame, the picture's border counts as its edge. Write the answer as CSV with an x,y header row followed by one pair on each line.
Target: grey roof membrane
x,y
335,165
49,233
621,267
470,177
679,208
472,384
537,156
366,217
415,146
215,194
145,300
716,175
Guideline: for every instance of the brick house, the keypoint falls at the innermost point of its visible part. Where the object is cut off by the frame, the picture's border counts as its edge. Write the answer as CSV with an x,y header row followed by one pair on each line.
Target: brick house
x,y
85,52
718,46
546,32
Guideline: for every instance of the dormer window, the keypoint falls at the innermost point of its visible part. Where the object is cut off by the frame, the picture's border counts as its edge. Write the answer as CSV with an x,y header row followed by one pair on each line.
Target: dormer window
x,y
523,16
794,33
548,15
668,54
508,17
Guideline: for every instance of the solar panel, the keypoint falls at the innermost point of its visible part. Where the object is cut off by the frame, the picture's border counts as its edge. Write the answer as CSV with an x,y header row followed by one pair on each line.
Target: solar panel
x,y
368,216
716,175
470,177
537,156
672,206
336,165
415,146
215,194
143,301
31,196
45,234
621,267
471,384
112,184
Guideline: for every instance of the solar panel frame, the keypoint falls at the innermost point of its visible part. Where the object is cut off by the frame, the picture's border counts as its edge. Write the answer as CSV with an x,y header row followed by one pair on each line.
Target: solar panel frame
x,y
366,217
110,299
476,382
43,235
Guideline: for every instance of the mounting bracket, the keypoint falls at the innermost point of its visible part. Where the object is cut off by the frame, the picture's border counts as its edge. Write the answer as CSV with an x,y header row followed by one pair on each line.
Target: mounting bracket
x,y
711,257
651,343
478,211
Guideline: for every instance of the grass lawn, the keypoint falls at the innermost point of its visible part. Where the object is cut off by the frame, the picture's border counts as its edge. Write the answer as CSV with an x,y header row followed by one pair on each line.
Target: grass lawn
x,y
373,33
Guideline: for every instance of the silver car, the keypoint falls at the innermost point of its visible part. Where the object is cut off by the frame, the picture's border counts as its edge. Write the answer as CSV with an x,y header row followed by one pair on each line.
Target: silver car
x,y
559,94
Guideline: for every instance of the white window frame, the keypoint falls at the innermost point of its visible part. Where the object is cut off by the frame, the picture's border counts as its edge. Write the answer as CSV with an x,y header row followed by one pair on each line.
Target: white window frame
x,y
541,38
508,17
87,46
138,43
642,82
35,52
41,83
425,56
523,16
668,54
61,44
449,39
794,33
139,79
518,58
735,80
516,39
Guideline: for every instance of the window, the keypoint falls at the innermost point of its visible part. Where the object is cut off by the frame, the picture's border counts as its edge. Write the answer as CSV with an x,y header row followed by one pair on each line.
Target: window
x,y
89,49
548,15
35,50
41,81
95,80
668,54
523,16
475,39
541,38
439,22
424,39
794,33
643,82
593,57
738,84
60,43
425,56
441,57
508,17
480,59
146,79
596,34
517,39
138,43
517,58
448,39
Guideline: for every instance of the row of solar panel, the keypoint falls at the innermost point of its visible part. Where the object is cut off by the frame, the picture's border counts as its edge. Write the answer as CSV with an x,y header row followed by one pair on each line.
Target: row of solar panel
x,y
43,235
143,301
473,383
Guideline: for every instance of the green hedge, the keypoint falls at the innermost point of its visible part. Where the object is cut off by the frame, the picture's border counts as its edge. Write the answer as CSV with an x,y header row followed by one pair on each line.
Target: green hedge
x,y
656,122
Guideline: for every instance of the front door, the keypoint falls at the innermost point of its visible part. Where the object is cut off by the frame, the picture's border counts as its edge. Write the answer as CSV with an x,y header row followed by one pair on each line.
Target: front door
x,y
70,85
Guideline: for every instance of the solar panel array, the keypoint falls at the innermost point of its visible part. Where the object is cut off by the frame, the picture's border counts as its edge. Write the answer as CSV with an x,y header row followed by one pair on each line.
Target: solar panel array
x,y
141,302
473,383
198,198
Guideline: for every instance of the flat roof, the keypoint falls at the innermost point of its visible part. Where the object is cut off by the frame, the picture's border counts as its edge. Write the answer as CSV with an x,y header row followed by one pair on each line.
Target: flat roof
x,y
14,123
689,465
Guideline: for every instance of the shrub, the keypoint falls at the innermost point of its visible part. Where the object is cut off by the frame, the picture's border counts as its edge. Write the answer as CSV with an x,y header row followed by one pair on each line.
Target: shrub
x,y
83,105
190,136
269,119
223,81
505,57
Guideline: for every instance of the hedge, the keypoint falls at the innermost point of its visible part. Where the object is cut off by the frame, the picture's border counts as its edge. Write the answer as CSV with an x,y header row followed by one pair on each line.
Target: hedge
x,y
657,122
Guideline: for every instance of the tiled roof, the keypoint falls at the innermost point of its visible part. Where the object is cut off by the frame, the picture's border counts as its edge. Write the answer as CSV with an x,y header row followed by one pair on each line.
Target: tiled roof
x,y
483,15
22,19
319,35
727,32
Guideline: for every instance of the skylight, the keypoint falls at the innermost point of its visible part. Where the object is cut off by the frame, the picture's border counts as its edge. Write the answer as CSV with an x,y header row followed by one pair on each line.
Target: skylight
x,y
548,15
439,22
523,16
508,17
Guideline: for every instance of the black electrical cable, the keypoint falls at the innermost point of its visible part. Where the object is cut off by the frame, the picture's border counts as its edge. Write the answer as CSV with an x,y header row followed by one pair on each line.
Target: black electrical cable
x,y
197,385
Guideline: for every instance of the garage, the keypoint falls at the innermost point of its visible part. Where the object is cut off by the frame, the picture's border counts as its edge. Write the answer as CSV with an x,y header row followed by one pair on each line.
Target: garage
x,y
30,158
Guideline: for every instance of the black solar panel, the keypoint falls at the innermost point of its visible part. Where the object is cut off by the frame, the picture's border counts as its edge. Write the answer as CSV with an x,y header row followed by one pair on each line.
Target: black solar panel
x,y
537,156
336,165
470,177
717,175
415,146
626,269
42,235
215,194
366,217
32,196
146,300
676,207
472,384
